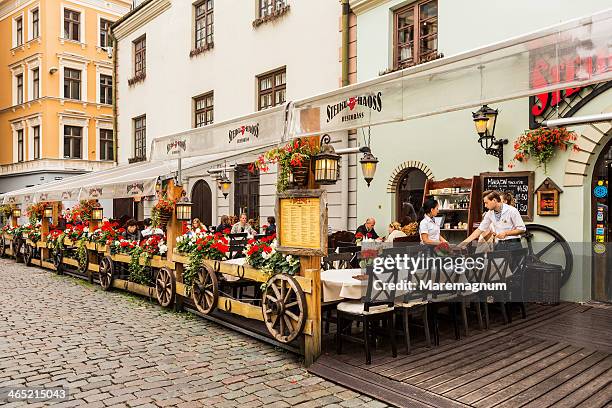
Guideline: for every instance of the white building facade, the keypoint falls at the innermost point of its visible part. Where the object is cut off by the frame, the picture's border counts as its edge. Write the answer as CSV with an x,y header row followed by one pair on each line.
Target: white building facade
x,y
185,64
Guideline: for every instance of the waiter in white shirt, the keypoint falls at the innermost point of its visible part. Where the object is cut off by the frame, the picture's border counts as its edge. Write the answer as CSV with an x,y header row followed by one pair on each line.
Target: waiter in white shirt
x,y
505,220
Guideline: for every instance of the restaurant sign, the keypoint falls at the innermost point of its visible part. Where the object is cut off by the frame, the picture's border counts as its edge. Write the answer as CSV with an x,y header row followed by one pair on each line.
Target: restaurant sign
x,y
243,133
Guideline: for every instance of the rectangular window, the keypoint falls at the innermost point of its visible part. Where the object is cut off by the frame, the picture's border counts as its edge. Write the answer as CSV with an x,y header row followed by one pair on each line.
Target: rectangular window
x,y
72,25
73,141
19,89
140,138
268,7
204,24
416,34
35,83
140,56
72,83
106,89
19,31
35,24
20,145
246,191
106,144
105,33
272,89
204,109
36,130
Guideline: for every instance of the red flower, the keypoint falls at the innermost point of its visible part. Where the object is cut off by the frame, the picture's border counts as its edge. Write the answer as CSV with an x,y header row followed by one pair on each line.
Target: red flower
x,y
359,235
227,231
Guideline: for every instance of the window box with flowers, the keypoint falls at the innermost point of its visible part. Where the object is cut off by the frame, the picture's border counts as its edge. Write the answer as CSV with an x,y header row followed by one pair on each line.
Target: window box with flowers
x,y
293,161
542,144
199,50
137,78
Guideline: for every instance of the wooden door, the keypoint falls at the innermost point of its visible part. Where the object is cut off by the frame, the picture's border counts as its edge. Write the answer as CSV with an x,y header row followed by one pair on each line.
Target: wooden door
x,y
201,196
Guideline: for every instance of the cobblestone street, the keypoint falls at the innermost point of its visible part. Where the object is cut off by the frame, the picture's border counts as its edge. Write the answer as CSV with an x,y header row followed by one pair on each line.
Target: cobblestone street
x,y
113,349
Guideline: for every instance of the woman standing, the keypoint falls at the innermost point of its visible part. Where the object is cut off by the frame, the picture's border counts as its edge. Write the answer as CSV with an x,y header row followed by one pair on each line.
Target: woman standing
x,y
429,228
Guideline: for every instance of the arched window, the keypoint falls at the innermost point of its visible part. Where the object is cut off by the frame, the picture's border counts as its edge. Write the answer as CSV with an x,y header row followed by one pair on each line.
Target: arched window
x,y
410,194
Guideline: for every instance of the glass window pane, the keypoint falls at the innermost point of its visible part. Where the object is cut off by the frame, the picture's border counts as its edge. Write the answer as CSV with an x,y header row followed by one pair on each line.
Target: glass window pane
x,y
429,27
405,18
429,10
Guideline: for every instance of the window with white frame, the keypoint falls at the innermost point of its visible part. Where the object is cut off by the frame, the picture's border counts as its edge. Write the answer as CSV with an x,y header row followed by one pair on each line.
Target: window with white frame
x,y
72,25
19,88
268,7
204,27
36,140
35,83
35,18
106,144
105,33
18,31
72,83
106,89
20,146
140,138
73,142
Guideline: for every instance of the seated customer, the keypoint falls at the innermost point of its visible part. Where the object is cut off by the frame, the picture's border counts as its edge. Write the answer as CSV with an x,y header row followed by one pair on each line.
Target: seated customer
x,y
132,233
149,229
395,231
367,229
225,224
243,226
271,228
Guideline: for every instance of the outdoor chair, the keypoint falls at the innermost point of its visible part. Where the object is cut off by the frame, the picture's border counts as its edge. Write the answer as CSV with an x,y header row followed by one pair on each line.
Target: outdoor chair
x,y
354,250
333,261
377,307
237,245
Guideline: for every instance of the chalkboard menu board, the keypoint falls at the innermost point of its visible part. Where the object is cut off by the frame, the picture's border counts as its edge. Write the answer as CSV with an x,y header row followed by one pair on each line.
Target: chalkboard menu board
x,y
519,183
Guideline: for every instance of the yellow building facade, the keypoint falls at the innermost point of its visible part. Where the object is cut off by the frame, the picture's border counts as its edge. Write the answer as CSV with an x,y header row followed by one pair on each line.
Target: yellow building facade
x,y
56,81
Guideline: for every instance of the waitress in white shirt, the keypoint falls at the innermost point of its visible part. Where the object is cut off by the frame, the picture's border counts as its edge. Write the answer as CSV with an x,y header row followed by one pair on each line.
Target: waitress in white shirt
x,y
429,229
504,219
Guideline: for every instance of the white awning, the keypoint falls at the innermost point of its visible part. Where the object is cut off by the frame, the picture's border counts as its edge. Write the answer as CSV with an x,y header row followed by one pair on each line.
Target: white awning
x,y
573,54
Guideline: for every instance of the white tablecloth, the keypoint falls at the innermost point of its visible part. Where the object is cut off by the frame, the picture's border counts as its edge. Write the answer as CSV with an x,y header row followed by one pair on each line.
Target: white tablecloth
x,y
339,284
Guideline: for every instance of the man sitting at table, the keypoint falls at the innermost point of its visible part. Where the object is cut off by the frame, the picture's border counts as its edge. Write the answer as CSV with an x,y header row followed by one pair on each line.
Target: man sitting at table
x,y
367,229
243,226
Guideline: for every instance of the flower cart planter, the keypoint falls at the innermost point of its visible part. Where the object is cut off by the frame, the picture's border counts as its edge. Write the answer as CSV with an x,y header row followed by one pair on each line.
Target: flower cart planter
x,y
285,317
113,273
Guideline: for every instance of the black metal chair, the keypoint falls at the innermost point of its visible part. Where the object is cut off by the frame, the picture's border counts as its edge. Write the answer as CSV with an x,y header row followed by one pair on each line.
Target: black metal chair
x,y
378,306
238,243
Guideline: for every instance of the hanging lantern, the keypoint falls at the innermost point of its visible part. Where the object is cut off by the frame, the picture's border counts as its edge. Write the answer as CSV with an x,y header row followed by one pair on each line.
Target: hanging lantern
x,y
97,213
16,212
326,163
368,167
183,209
48,211
225,185
484,120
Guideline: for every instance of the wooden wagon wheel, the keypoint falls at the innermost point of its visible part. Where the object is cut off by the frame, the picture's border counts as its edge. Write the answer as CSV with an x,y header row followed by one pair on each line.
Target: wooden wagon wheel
x,y
284,308
17,248
205,291
165,287
28,254
106,272
2,246
83,264
547,245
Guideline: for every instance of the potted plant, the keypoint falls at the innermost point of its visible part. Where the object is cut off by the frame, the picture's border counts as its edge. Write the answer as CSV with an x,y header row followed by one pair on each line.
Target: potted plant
x,y
542,144
293,161
162,212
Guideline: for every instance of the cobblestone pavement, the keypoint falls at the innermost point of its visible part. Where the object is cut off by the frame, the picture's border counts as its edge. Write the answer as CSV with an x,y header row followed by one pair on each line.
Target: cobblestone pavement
x,y
113,349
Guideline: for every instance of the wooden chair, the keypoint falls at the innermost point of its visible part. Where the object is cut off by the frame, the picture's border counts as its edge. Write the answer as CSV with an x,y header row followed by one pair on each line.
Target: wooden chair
x,y
378,306
354,250
333,261
238,243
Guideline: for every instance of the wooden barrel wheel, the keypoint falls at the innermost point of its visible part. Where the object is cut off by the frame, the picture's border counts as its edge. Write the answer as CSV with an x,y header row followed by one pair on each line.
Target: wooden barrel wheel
x,y
284,308
57,257
2,246
165,287
28,254
205,291
106,272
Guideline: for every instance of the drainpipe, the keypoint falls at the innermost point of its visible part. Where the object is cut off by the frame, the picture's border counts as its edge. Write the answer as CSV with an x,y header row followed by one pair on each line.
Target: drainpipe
x,y
346,9
344,167
115,110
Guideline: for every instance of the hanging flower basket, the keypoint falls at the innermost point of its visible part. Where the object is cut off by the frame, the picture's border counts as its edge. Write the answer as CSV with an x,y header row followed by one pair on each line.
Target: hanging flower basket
x,y
162,212
542,144
164,219
292,159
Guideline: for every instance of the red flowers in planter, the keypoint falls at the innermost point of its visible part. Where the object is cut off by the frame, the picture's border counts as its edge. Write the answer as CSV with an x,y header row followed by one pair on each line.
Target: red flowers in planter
x,y
542,144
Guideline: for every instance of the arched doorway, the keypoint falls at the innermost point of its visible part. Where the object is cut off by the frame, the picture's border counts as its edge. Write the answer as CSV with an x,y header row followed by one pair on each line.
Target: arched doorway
x,y
201,196
409,193
601,226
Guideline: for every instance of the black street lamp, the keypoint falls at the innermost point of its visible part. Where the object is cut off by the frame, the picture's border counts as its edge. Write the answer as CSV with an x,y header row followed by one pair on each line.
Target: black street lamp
x,y
368,166
484,121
